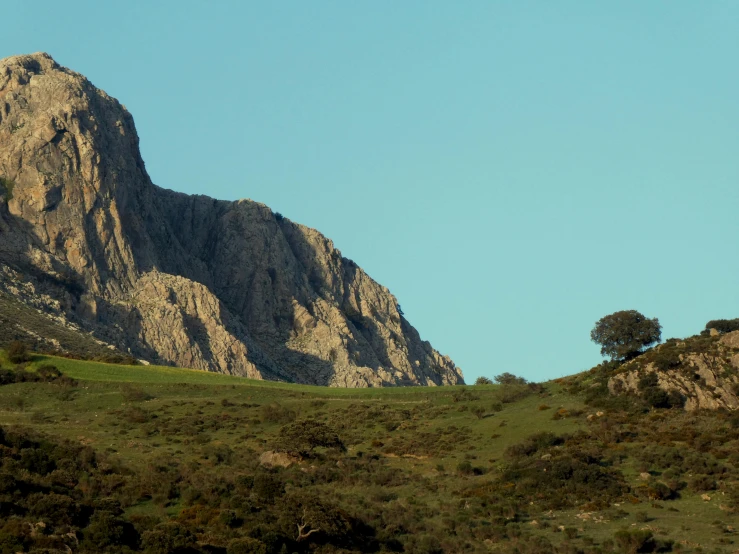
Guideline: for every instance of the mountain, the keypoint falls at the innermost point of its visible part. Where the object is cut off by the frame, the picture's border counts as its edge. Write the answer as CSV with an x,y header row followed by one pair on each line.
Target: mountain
x,y
229,287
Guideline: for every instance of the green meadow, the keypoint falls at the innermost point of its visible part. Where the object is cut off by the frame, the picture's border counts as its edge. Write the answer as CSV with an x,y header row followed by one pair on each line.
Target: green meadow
x,y
446,469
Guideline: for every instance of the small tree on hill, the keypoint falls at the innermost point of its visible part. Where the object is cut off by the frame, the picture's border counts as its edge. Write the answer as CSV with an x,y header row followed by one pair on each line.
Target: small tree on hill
x,y
625,334
483,381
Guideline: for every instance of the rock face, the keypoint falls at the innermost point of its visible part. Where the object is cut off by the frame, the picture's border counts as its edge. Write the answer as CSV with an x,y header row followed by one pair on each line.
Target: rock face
x,y
707,376
188,280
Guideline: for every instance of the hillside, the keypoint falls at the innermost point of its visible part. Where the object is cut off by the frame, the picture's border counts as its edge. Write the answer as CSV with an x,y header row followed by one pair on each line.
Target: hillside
x,y
160,459
229,287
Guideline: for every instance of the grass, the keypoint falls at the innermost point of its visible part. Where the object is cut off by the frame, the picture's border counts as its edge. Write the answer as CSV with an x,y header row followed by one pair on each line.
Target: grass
x,y
137,415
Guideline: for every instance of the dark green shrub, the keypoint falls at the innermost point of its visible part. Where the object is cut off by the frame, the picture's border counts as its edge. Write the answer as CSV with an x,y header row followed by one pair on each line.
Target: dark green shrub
x,y
6,188
635,541
230,518
464,468
48,372
533,444
702,483
268,486
167,538
302,437
134,393
246,546
666,359
18,352
509,379
106,530
483,381
723,325
276,413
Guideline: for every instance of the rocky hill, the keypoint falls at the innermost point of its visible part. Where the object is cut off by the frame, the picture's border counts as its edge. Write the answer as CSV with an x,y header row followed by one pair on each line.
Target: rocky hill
x,y
229,287
700,372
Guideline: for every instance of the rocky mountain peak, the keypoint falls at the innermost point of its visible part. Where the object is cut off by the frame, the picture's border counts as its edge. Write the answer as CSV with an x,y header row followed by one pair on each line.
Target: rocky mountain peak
x,y
178,279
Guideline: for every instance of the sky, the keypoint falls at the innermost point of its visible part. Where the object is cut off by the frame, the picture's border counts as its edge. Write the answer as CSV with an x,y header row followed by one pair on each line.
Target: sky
x,y
511,171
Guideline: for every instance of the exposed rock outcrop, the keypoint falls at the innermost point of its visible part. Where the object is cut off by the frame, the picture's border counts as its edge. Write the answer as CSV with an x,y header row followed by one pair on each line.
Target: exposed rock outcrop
x,y
704,371
186,280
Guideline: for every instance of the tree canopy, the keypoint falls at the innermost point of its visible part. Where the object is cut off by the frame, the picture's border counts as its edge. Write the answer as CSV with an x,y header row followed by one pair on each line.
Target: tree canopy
x,y
723,325
625,334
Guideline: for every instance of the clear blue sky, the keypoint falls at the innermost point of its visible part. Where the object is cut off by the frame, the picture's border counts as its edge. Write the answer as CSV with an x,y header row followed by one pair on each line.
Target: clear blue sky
x,y
512,171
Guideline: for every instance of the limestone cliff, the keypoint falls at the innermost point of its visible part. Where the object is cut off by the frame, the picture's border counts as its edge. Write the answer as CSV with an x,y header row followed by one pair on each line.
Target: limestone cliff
x,y
187,280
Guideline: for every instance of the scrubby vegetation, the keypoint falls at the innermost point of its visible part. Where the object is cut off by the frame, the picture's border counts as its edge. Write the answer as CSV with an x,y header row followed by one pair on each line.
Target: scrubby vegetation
x,y
723,325
6,189
101,458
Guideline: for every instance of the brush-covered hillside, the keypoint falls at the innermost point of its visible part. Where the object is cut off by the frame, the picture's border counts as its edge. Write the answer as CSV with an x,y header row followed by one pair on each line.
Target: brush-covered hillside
x,y
99,457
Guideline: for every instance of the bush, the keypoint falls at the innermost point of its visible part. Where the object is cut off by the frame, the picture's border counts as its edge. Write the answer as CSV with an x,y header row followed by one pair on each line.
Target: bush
x,y
48,373
6,188
106,530
723,325
275,413
624,335
134,393
18,352
657,397
635,541
534,443
509,379
246,546
464,468
168,537
303,437
483,381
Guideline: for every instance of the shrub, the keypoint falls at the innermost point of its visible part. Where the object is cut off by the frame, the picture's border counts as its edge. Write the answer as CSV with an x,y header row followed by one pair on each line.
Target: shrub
x,y
657,397
6,188
107,530
464,468
134,393
723,325
48,372
18,352
509,379
666,359
478,412
483,381
302,437
246,546
275,413
168,537
533,444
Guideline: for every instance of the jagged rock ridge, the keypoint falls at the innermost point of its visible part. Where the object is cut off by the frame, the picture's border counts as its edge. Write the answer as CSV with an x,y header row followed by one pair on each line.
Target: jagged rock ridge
x,y
703,370
186,280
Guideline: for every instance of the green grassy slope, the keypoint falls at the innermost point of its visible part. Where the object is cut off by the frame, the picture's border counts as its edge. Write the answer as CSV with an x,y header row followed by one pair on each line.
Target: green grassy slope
x,y
429,469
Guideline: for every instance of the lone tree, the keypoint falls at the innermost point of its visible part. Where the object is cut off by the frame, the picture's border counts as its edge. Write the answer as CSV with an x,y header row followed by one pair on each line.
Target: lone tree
x,y
625,334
